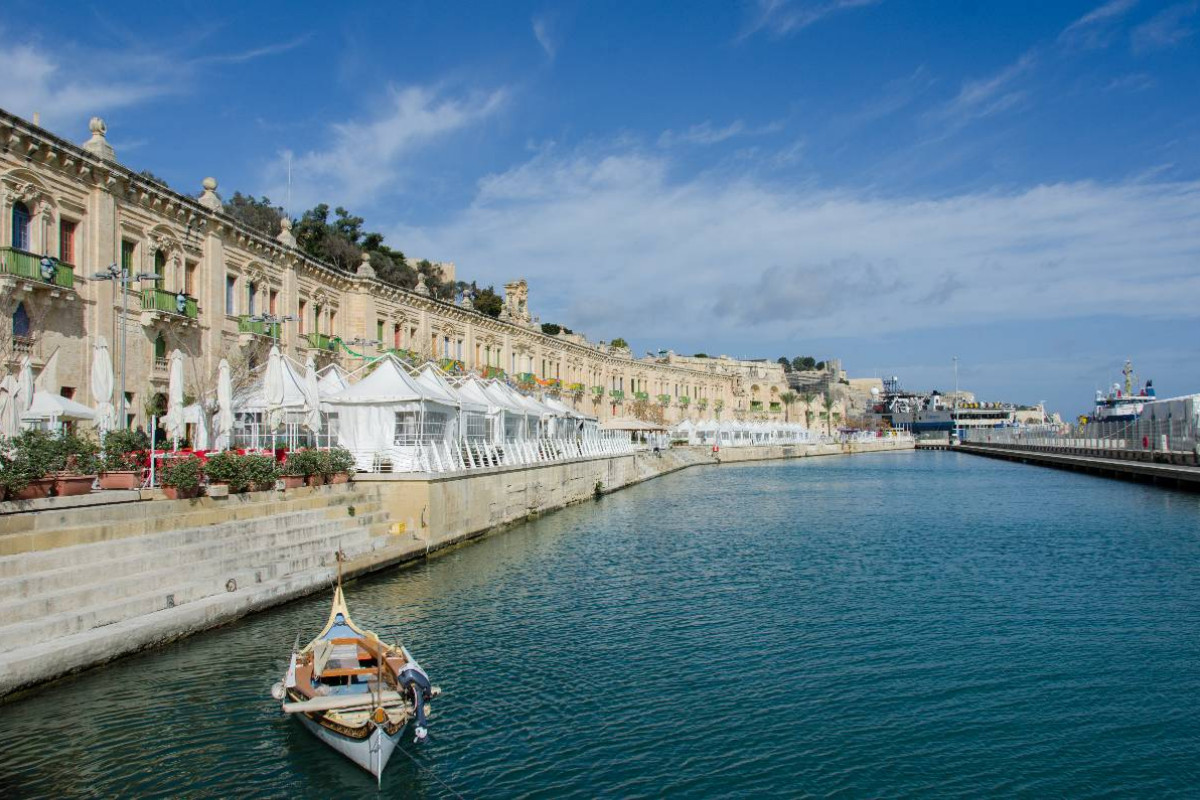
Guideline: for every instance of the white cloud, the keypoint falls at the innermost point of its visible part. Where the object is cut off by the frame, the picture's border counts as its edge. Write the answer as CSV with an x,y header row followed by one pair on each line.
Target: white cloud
x,y
364,157
784,17
1095,28
705,133
67,86
1166,29
984,97
612,245
254,53
542,32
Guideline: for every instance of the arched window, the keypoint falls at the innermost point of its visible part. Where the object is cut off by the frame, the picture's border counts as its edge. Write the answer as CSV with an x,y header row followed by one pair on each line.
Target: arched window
x,y
20,321
160,347
20,227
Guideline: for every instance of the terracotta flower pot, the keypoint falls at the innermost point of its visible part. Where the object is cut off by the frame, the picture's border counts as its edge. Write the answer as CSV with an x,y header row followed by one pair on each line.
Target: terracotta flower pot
x,y
177,493
315,480
73,485
339,477
35,490
293,481
119,480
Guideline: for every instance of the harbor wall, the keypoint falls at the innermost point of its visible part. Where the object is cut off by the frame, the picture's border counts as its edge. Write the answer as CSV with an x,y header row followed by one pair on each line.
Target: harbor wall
x,y
87,582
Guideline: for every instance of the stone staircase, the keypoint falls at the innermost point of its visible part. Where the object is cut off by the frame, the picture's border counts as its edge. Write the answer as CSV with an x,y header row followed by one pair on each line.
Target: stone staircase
x,y
106,571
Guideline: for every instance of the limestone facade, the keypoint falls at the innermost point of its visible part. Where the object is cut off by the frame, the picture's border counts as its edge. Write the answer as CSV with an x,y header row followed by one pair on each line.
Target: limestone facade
x,y
202,283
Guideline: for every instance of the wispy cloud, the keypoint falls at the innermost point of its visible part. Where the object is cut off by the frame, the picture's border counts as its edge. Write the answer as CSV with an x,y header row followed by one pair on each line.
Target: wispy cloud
x,y
542,31
1134,82
1165,29
1097,28
705,133
254,53
66,84
363,157
776,262
784,17
984,97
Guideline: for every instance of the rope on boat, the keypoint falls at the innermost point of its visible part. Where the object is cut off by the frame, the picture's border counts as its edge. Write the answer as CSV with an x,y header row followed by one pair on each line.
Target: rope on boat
x,y
432,774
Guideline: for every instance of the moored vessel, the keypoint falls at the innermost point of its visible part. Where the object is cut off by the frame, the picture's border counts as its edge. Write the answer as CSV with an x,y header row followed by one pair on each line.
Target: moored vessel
x,y
354,692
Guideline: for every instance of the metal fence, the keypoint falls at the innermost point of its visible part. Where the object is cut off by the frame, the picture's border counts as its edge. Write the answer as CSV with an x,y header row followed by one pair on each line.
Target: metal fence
x,y
461,455
1119,439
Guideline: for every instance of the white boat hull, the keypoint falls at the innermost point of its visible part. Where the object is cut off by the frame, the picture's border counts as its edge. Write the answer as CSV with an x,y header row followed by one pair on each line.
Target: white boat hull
x,y
371,753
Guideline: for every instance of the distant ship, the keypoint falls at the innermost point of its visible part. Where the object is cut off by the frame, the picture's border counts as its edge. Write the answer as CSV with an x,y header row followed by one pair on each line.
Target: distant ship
x,y
1123,404
935,413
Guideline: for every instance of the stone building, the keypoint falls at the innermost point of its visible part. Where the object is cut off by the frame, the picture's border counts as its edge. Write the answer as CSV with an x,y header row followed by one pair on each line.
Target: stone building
x,y
200,282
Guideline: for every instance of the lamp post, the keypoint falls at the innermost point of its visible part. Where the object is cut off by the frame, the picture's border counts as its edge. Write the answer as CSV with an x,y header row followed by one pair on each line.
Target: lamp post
x,y
272,321
121,277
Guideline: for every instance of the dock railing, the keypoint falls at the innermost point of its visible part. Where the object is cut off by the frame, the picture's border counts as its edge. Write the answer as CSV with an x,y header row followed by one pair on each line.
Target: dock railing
x,y
463,455
1174,439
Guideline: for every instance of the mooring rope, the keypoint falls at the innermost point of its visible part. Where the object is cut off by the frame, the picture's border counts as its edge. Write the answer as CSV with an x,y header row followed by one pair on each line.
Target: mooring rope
x,y
433,774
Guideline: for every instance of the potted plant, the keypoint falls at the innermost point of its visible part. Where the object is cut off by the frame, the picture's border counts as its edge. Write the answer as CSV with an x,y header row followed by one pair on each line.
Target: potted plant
x,y
124,455
226,469
180,477
308,462
340,463
76,463
292,471
30,459
260,471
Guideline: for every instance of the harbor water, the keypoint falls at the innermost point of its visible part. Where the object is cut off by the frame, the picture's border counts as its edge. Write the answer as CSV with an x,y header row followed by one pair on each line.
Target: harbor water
x,y
892,625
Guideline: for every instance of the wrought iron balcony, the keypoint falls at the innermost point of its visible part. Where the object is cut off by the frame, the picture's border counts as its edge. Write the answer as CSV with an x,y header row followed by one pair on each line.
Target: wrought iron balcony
x,y
321,341
258,327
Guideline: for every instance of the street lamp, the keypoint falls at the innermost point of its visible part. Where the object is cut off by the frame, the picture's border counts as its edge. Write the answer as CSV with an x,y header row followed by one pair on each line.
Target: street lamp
x,y
275,323
120,276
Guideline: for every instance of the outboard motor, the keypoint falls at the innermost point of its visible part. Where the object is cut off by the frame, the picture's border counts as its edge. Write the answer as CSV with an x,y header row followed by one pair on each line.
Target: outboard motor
x,y
416,681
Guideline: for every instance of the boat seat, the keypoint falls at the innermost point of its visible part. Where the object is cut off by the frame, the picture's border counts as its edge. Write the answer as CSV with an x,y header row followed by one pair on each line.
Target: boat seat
x,y
342,672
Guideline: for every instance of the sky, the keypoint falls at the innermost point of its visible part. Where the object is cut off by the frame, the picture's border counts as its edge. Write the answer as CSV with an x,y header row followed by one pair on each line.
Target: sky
x,y
891,183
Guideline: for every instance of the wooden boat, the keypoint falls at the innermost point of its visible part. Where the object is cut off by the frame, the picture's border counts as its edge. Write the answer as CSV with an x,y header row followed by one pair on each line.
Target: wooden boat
x,y
354,692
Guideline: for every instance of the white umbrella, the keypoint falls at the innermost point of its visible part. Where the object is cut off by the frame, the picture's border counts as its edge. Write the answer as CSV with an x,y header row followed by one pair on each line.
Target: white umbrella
x,y
312,396
173,422
224,405
102,385
25,386
273,389
10,424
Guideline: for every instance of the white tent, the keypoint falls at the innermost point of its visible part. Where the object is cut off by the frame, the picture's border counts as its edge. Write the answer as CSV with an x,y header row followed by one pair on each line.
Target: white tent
x,y
475,414
475,399
52,408
518,420
389,414
331,380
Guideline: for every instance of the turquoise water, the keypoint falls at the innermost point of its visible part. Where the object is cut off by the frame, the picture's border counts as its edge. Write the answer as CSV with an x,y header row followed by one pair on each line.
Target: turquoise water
x,y
925,624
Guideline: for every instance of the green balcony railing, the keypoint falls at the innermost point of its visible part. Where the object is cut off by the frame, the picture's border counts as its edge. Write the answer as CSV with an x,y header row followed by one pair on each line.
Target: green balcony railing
x,y
28,265
258,327
683,401
170,302
598,391
664,399
776,408
756,405
643,396
617,395
321,341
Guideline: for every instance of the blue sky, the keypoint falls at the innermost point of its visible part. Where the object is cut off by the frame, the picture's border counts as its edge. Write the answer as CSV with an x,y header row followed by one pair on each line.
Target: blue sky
x,y
888,182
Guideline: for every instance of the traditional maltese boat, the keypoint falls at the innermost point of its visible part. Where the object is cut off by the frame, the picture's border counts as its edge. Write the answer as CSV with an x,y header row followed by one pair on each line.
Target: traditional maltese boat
x,y
354,692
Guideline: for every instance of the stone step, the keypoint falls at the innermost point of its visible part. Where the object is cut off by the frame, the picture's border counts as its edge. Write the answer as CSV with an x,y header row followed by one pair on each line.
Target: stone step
x,y
195,549
122,577
67,623
51,529
25,564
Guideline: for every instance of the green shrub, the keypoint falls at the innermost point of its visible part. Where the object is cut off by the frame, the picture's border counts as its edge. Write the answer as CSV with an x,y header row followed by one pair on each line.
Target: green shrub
x,y
31,455
181,473
241,472
340,460
75,454
307,462
125,450
261,471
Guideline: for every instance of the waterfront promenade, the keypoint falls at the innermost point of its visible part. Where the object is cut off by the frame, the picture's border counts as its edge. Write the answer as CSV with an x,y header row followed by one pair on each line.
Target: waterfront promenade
x,y
88,581
1176,473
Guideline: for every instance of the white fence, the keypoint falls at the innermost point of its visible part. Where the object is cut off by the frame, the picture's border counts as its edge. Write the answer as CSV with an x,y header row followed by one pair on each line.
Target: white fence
x,y
1114,438
468,454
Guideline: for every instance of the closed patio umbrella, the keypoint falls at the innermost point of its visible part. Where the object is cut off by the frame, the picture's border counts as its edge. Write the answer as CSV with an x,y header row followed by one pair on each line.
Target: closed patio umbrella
x,y
173,422
102,385
224,405
312,396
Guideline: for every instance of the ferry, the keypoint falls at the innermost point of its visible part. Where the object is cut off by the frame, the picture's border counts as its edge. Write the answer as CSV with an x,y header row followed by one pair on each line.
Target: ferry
x,y
934,413
1123,404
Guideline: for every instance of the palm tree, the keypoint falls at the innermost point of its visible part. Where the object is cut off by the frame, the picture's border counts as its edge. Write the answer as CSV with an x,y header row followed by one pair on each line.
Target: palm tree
x,y
808,397
827,404
787,398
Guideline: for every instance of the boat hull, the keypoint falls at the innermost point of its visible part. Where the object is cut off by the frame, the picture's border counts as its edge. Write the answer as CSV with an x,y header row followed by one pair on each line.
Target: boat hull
x,y
371,753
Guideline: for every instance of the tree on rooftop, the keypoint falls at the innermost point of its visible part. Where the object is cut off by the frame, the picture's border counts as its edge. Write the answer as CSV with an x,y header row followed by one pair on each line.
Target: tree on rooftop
x,y
488,302
257,215
783,362
619,342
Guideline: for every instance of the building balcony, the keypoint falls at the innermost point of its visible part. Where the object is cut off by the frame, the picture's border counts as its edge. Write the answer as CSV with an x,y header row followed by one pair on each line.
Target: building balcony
x,y
35,271
756,405
172,306
641,396
250,329
320,341
776,408
452,366
616,396
494,372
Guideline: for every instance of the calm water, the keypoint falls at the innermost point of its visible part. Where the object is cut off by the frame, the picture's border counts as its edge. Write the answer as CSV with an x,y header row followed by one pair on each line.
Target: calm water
x,y
893,625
